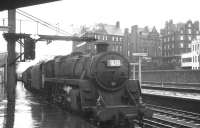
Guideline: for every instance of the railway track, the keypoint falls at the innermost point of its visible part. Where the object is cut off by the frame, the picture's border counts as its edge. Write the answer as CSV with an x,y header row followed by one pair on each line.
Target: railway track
x,y
171,118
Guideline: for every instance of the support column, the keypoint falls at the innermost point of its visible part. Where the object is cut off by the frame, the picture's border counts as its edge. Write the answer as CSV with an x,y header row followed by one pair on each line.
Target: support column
x,y
11,71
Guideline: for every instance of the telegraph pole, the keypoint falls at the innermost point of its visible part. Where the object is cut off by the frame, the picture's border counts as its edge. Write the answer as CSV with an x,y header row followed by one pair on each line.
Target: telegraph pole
x,y
11,70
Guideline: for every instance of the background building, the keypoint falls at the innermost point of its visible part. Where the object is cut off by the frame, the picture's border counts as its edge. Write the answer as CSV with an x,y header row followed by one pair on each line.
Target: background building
x,y
143,40
164,50
104,32
191,60
176,40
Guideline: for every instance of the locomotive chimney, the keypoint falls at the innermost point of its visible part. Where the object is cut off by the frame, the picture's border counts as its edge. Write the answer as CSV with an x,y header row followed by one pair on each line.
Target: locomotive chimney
x,y
101,46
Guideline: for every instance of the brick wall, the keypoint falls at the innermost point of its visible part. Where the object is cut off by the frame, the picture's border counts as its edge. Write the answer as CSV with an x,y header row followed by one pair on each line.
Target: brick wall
x,y
177,76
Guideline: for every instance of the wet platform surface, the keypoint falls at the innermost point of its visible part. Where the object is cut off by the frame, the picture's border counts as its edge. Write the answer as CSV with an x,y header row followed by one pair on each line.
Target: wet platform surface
x,y
32,111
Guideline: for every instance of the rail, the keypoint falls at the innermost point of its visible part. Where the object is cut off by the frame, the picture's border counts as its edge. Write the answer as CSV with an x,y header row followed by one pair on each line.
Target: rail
x,y
171,118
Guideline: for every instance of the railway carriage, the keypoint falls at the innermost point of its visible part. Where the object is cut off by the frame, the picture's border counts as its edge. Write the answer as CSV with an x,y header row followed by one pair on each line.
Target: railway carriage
x,y
26,77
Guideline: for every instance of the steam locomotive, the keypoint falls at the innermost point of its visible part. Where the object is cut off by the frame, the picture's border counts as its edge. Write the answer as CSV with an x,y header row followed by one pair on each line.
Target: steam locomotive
x,y
96,85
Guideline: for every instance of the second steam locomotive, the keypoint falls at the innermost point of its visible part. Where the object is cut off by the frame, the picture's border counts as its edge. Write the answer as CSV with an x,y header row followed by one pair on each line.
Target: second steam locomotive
x,y
96,85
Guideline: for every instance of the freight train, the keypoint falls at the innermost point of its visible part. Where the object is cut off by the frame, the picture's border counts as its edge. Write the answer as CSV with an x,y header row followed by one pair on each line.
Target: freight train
x,y
96,85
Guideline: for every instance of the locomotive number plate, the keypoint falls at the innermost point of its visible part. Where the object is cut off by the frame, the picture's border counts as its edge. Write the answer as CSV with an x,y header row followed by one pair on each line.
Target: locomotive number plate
x,y
113,63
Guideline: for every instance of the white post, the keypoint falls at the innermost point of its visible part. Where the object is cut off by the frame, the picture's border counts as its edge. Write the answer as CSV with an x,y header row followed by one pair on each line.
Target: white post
x,y
140,70
133,71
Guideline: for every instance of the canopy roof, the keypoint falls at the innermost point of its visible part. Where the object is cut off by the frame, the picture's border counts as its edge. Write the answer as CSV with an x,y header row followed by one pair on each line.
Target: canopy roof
x,y
12,4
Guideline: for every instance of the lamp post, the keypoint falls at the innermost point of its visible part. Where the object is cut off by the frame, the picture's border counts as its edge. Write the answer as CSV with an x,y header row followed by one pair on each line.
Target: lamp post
x,y
140,55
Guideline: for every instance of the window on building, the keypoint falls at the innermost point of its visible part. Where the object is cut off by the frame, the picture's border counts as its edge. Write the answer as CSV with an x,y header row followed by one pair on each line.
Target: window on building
x,y
195,48
198,58
189,38
89,46
181,31
164,40
189,45
172,38
195,58
117,39
189,59
172,45
181,37
189,31
116,47
189,25
120,39
99,37
113,48
145,50
128,53
106,38
192,47
181,45
103,37
113,38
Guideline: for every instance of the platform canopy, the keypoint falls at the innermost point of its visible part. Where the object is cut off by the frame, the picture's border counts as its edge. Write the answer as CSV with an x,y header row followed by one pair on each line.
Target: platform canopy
x,y
12,4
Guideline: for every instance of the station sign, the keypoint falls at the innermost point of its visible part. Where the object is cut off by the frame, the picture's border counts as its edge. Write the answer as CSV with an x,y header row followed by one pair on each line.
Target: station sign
x,y
139,54
134,64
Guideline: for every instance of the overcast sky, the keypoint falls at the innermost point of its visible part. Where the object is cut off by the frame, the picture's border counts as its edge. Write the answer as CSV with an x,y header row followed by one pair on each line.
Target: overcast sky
x,y
69,14
128,12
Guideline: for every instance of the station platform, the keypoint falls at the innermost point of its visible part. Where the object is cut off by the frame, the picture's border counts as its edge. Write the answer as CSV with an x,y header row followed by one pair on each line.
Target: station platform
x,y
184,95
